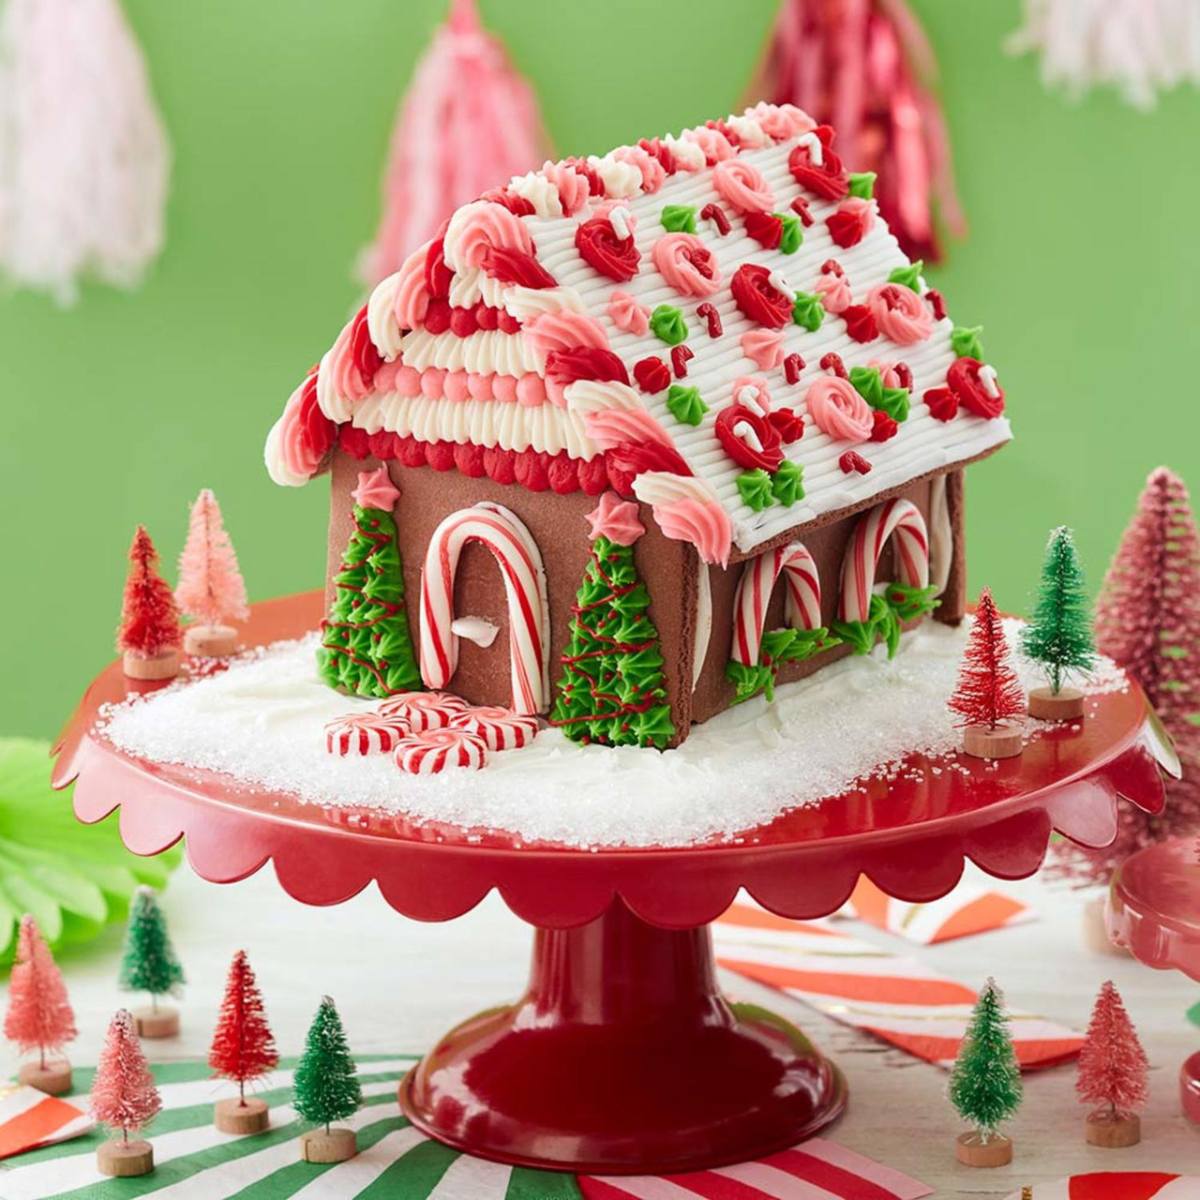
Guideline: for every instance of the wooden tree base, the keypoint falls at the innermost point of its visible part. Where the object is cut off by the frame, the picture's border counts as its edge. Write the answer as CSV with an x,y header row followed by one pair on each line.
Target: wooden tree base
x,y
1067,705
1095,930
235,1116
156,1022
122,1159
1002,742
54,1078
210,641
1114,1133
157,666
336,1146
972,1151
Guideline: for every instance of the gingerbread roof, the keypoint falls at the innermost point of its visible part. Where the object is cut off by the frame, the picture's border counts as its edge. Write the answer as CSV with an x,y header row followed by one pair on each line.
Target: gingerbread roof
x,y
719,323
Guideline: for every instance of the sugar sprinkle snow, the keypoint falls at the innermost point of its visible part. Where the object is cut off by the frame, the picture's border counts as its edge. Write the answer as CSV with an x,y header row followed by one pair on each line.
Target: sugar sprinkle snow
x,y
262,721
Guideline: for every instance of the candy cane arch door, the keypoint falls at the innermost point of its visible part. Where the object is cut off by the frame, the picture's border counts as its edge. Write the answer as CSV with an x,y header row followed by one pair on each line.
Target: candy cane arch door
x,y
520,563
901,518
802,607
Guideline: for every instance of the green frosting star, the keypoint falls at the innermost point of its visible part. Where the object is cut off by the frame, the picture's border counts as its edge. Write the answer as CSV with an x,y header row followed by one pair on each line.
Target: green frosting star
x,y
966,342
793,233
755,489
895,403
909,277
787,484
869,384
808,311
679,218
668,325
685,404
863,184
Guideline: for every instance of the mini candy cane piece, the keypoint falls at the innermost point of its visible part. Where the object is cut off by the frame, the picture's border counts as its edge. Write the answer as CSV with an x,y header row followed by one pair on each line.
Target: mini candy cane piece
x,y
435,750
500,728
422,710
899,517
363,733
520,563
803,605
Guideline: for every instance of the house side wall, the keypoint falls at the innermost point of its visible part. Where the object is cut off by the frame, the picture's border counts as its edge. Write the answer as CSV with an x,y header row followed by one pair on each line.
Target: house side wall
x,y
559,527
953,605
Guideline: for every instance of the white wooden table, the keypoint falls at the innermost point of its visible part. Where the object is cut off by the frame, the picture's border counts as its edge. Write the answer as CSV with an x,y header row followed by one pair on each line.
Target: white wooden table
x,y
399,984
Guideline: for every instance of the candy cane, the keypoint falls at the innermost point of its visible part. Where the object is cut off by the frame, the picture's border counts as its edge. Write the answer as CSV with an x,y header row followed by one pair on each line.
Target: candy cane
x,y
802,607
363,733
431,752
422,710
500,728
901,517
520,564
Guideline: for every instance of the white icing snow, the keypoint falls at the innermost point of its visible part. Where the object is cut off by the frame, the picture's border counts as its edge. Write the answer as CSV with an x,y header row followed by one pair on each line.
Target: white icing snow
x,y
262,722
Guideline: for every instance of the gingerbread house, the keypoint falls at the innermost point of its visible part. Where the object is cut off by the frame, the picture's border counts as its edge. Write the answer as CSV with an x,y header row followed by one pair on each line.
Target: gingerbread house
x,y
642,435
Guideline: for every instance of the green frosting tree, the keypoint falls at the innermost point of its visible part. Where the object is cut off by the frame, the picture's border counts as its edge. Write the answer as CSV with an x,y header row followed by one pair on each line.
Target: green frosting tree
x,y
985,1083
612,689
148,962
1059,634
366,648
325,1087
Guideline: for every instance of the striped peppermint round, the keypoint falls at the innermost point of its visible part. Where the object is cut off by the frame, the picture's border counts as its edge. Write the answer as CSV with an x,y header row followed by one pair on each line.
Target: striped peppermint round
x,y
899,517
500,728
435,750
363,733
803,605
423,710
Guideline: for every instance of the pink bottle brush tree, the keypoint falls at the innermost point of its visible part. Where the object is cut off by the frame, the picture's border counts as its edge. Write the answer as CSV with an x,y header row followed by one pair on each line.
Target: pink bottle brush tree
x,y
39,1016
211,590
123,1093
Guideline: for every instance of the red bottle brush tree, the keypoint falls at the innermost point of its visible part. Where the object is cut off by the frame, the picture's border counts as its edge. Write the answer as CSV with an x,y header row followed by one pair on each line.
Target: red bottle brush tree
x,y
988,691
1112,1063
243,1047
1148,623
211,590
149,618
123,1093
39,1015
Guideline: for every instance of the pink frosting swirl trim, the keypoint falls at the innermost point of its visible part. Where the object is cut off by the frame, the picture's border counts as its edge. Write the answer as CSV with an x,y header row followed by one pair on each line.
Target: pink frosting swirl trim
x,y
782,121
902,316
572,187
838,410
686,264
834,292
742,186
484,227
654,174
703,523
564,330
715,145
627,314
412,293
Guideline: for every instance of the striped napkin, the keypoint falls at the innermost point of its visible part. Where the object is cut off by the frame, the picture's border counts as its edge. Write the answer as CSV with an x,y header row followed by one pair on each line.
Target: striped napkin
x,y
30,1118
195,1162
1116,1185
897,999
966,910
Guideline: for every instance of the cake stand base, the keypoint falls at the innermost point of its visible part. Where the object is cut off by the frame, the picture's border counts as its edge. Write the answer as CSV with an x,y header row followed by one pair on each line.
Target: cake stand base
x,y
623,1057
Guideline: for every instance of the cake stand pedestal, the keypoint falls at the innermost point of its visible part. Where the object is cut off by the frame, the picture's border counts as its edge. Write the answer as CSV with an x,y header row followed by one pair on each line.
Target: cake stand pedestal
x,y
623,1056
1153,911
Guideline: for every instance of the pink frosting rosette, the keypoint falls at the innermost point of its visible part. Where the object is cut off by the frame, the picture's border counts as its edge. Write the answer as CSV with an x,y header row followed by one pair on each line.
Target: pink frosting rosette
x,y
742,186
838,410
902,316
687,264
627,314
834,291
763,347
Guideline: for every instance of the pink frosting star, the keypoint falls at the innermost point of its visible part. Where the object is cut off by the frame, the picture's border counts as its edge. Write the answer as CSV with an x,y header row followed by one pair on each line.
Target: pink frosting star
x,y
616,519
376,490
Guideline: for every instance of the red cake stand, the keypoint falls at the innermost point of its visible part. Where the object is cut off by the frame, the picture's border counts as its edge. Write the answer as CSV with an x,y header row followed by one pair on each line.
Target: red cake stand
x,y
623,1055
1154,911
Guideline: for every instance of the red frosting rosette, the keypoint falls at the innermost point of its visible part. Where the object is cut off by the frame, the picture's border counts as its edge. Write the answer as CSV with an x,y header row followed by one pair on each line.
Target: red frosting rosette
x,y
749,438
601,248
964,380
758,299
828,180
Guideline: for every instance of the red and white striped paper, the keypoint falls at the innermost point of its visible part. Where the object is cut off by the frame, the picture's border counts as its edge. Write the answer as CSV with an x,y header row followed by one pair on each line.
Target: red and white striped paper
x,y
1118,1185
964,911
895,998
814,1170
30,1118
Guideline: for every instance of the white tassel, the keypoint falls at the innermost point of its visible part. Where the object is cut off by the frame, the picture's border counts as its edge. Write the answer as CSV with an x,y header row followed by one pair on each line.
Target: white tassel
x,y
84,159
1138,46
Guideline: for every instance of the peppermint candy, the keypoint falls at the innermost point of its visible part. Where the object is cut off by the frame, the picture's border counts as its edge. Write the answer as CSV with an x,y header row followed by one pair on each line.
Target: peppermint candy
x,y
422,710
363,733
500,728
434,750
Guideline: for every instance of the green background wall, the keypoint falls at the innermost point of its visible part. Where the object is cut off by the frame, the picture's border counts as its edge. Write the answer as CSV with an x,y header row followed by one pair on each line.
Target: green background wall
x,y
1082,264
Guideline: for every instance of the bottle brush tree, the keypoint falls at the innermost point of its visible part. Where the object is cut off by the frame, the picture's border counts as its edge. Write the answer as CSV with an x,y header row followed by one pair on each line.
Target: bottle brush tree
x,y
123,1093
39,1015
988,691
1112,1064
325,1086
210,590
148,962
985,1082
1059,633
243,1047
149,617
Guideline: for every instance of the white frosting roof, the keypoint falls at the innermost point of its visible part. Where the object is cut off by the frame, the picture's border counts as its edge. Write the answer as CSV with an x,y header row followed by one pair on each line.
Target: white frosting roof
x,y
443,386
